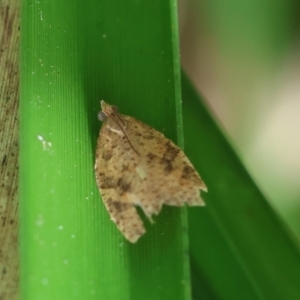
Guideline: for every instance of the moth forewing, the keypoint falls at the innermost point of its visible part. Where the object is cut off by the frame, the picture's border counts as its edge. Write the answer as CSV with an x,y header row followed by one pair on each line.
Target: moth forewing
x,y
137,165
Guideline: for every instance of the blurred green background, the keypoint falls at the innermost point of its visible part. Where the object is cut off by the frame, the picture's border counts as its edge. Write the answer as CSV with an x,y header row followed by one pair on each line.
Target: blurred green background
x,y
243,57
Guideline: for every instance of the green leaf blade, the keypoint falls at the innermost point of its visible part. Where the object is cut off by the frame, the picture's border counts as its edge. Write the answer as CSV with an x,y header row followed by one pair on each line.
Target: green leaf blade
x,y
74,54
240,247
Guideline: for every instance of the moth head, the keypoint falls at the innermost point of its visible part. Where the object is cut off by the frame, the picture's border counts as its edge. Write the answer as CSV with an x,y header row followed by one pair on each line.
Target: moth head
x,y
107,111
102,116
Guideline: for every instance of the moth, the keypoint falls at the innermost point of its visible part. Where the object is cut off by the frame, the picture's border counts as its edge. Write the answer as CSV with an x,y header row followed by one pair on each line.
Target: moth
x,y
138,166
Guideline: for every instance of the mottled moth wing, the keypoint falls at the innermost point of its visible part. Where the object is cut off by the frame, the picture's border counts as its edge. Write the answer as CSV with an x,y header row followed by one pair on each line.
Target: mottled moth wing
x,y
114,169
137,165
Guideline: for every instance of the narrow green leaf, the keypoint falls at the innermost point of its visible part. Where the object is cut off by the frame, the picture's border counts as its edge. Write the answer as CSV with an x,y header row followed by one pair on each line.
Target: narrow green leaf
x,y
73,54
240,248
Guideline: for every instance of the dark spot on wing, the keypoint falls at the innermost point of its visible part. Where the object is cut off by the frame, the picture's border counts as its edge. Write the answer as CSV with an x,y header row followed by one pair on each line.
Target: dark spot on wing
x,y
168,168
125,168
107,154
123,185
4,160
117,207
106,182
187,171
171,151
114,145
149,136
151,155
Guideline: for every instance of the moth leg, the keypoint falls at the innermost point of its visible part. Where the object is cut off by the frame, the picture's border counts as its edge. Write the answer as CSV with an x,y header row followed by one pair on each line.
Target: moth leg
x,y
126,218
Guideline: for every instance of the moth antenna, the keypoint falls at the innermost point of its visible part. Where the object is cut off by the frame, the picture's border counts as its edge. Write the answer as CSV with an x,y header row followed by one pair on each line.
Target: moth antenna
x,y
122,129
116,112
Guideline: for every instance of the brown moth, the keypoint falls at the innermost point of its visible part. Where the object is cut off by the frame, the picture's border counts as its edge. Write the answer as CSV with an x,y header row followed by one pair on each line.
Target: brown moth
x,y
138,166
